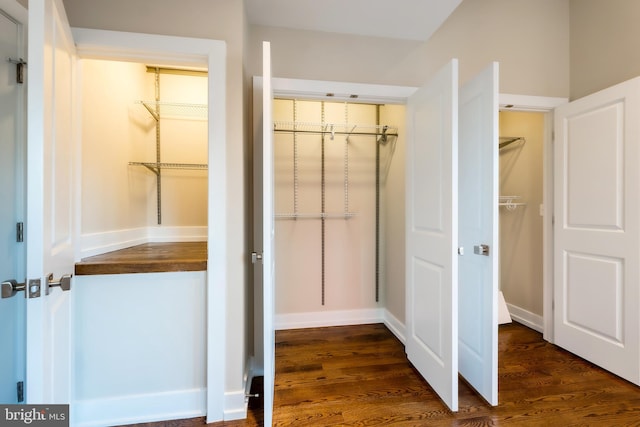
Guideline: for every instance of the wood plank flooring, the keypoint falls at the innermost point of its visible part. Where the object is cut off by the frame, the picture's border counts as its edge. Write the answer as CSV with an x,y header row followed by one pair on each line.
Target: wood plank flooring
x,y
147,258
359,376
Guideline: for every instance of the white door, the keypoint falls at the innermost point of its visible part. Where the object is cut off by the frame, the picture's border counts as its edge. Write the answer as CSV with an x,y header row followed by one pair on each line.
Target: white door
x,y
478,233
597,228
12,258
268,238
432,233
50,226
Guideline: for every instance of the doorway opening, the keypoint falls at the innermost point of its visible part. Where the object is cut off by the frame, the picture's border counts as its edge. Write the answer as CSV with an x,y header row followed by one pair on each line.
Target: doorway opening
x,y
521,215
144,154
338,174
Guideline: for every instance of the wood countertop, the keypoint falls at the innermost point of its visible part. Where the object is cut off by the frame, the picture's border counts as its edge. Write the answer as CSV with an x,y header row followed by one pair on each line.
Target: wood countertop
x,y
147,258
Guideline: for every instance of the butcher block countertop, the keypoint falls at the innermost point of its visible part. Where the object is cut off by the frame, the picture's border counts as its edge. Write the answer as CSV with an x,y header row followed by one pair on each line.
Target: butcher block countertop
x,y
147,258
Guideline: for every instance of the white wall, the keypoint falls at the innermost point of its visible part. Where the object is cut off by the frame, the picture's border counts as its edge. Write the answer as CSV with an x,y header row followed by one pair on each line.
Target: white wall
x,y
139,347
115,131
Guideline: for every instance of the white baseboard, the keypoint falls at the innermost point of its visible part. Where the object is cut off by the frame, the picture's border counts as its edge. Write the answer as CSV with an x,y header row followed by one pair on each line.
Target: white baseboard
x,y
141,408
99,243
395,326
527,318
235,405
328,318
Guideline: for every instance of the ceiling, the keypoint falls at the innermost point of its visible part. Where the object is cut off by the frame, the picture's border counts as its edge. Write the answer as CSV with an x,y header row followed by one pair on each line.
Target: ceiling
x,y
399,19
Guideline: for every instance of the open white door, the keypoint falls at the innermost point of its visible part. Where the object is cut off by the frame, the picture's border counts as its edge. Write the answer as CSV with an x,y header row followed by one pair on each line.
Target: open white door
x,y
268,229
432,233
597,228
50,227
478,233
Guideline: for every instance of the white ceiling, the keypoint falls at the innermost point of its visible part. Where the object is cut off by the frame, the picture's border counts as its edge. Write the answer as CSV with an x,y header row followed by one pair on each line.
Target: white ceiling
x,y
400,19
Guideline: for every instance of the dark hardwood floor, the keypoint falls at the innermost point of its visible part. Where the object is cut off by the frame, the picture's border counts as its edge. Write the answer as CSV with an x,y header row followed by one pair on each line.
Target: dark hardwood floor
x,y
359,376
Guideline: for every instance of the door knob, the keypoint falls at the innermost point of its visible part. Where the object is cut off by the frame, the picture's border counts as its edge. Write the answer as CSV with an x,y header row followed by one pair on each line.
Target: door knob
x,y
11,287
63,283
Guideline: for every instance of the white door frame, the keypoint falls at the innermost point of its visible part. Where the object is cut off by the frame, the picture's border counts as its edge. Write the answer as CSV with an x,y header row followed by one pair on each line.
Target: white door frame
x,y
546,105
180,51
341,91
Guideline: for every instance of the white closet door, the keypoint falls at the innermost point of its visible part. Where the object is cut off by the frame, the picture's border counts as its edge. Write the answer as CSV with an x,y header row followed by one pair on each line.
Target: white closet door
x,y
597,228
432,233
478,225
51,190
268,238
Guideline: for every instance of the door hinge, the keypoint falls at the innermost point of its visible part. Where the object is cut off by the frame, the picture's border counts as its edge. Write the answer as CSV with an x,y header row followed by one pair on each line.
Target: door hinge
x,y
255,257
20,232
20,65
20,391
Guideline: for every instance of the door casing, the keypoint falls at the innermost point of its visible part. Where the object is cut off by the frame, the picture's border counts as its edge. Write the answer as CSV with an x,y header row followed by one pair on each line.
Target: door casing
x,y
210,54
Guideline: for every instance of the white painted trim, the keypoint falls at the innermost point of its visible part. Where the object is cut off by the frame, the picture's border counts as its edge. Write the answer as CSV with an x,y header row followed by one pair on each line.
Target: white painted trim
x,y
321,319
527,318
235,405
395,326
545,105
140,408
530,103
17,12
341,91
212,55
98,243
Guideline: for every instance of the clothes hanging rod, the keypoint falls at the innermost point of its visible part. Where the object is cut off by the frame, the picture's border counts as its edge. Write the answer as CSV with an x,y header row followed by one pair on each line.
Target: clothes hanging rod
x,y
335,133
335,129
177,71
505,141
319,215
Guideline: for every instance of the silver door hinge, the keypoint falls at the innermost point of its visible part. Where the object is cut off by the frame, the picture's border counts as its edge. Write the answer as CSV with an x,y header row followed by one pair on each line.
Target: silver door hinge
x,y
255,257
20,232
20,391
20,65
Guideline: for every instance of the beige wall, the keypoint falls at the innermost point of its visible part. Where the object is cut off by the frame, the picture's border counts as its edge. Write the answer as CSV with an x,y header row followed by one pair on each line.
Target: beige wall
x,y
521,228
116,130
604,44
393,226
219,20
530,38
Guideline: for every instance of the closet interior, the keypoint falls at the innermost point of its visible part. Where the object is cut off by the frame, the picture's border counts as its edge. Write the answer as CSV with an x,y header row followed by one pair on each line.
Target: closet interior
x,y
144,153
521,210
333,162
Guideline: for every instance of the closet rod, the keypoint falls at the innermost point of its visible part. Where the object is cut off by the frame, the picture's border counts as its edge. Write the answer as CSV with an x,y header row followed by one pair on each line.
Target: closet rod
x,y
326,132
178,71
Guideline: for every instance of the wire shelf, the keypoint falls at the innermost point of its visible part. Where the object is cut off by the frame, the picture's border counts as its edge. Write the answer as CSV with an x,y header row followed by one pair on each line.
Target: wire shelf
x,y
176,109
156,166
